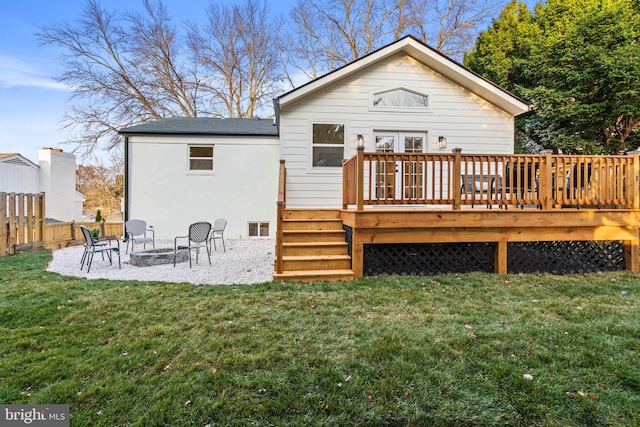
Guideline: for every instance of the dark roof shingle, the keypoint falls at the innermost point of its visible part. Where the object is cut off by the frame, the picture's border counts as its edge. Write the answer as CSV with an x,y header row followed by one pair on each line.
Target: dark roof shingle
x,y
205,126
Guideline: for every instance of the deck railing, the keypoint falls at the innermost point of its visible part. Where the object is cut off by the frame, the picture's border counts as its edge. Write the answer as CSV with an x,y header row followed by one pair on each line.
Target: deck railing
x,y
544,181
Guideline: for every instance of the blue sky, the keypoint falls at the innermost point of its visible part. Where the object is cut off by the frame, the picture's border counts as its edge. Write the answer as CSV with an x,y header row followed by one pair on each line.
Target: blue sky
x,y
32,104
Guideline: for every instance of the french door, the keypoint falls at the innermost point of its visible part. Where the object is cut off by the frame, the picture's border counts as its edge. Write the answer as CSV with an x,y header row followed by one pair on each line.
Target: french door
x,y
399,179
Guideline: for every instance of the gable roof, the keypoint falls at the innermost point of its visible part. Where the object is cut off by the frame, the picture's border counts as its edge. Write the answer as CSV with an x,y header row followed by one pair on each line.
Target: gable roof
x,y
17,159
428,56
204,126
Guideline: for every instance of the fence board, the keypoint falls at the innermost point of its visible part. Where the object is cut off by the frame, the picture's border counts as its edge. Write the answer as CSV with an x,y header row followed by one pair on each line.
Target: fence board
x,y
4,228
63,234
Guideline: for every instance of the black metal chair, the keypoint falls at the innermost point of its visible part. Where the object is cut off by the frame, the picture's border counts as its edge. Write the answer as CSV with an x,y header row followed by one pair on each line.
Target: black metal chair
x,y
197,238
217,233
102,246
135,231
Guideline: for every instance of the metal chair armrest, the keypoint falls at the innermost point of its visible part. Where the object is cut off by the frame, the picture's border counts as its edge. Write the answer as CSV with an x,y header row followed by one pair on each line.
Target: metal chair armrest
x,y
175,241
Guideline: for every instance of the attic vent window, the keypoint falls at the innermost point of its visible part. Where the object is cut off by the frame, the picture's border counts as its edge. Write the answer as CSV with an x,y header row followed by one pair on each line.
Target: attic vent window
x,y
17,162
400,98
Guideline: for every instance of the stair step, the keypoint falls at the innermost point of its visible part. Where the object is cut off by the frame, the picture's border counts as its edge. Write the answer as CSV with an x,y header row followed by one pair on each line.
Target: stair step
x,y
314,248
290,236
313,224
311,214
322,262
306,276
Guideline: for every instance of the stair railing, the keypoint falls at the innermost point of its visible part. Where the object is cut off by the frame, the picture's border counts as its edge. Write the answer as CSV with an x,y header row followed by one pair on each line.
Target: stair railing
x,y
282,204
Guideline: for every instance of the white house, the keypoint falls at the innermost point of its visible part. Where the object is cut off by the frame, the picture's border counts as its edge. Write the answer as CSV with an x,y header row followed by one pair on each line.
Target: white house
x,y
182,170
55,175
405,97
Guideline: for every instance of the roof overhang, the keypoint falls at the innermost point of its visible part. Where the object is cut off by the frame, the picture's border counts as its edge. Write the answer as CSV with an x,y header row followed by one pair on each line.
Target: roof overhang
x,y
17,159
432,59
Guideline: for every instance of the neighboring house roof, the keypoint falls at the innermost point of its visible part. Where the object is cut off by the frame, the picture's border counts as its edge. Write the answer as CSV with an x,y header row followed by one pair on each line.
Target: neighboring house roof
x,y
17,159
431,58
205,126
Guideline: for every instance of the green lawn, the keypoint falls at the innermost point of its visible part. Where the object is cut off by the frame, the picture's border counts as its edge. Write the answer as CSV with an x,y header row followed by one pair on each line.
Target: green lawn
x,y
459,350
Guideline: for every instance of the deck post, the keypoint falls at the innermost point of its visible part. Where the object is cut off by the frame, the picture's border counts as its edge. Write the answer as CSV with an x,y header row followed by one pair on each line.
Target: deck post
x,y
546,179
279,237
634,185
631,256
281,203
357,254
500,258
360,178
345,186
456,183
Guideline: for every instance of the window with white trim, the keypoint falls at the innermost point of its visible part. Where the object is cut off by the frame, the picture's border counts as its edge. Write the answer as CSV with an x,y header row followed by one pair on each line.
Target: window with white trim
x,y
258,229
201,157
327,145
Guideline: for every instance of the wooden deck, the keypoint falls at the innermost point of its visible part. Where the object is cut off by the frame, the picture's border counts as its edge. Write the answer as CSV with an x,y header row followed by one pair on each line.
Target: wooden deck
x,y
457,199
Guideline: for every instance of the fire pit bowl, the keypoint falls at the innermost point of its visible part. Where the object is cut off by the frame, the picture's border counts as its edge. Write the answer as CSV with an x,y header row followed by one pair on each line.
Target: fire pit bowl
x,y
157,257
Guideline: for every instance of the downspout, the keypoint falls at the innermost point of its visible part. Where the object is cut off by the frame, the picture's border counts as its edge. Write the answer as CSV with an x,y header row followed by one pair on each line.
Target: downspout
x,y
126,180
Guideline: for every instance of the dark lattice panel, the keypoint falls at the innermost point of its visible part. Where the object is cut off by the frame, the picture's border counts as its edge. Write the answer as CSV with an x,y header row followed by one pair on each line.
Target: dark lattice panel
x,y
565,257
348,235
428,259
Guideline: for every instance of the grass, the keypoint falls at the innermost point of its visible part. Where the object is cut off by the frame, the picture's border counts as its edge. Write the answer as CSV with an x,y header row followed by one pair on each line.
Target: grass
x,y
390,351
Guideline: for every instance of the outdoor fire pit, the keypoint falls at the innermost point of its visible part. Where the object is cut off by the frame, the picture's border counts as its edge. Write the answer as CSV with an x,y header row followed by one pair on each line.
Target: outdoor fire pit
x,y
157,257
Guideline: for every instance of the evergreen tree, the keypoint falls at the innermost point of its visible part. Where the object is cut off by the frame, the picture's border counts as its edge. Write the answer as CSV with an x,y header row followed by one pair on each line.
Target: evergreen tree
x,y
578,62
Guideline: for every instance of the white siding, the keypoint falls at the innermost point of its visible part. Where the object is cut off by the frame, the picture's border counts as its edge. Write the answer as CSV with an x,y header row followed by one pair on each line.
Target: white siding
x,y
466,120
242,188
18,176
58,182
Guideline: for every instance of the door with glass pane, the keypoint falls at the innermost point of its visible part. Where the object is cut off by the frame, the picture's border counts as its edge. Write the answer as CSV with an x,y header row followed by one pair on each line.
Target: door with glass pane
x,y
397,179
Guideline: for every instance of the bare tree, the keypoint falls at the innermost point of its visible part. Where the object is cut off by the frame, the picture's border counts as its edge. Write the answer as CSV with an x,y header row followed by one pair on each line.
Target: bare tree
x,y
128,68
124,69
451,26
237,51
102,186
327,34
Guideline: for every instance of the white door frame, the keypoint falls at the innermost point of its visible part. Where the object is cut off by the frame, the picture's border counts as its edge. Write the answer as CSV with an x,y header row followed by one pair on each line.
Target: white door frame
x,y
396,143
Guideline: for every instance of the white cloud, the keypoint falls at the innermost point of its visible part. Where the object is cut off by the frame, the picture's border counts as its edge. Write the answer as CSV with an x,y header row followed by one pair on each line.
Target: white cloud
x,y
16,73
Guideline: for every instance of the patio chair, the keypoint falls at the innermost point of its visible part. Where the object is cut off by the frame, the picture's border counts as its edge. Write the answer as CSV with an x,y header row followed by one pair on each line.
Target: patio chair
x,y
92,246
197,238
135,231
218,233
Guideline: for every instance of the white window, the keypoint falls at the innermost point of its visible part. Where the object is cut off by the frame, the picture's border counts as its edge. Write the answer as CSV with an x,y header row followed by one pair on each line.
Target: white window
x,y
400,98
258,229
201,157
328,145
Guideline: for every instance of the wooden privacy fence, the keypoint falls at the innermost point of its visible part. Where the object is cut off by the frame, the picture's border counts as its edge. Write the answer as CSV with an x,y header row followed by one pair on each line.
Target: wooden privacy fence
x,y
24,226
63,234
23,219
546,181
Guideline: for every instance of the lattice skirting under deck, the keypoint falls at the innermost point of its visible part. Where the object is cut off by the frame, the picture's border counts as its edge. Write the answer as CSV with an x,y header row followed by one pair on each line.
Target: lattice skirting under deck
x,y
561,257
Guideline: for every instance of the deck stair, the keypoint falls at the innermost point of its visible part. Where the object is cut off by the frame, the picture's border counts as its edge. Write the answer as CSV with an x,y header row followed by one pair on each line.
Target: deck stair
x,y
314,247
